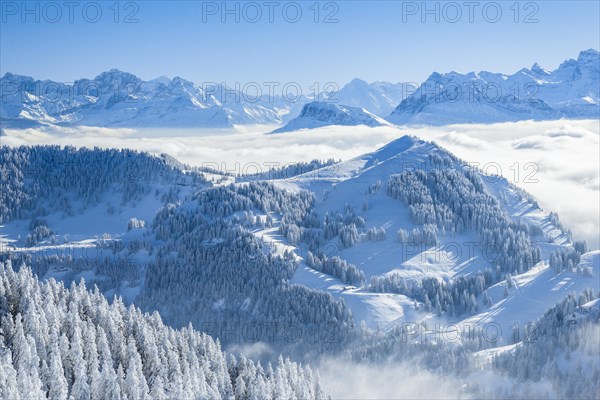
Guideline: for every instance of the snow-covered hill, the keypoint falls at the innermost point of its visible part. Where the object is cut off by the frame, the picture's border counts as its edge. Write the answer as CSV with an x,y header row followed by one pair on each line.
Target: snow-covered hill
x,y
570,91
319,114
362,185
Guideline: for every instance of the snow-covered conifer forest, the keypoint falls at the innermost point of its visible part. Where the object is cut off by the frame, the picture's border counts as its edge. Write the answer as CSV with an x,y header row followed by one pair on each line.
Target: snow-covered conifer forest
x,y
130,275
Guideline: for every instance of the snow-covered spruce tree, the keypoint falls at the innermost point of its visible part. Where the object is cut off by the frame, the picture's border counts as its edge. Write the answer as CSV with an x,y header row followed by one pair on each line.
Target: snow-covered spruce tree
x,y
62,343
39,230
336,266
404,343
568,258
456,297
345,224
424,236
376,234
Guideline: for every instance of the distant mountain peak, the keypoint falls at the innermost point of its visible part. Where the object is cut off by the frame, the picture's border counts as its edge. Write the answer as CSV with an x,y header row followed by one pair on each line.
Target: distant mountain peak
x,y
358,82
9,76
379,98
588,54
165,80
537,69
117,76
320,114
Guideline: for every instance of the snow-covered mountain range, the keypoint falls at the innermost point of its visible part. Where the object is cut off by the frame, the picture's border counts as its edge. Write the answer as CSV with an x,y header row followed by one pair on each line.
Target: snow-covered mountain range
x,y
570,91
120,99
319,114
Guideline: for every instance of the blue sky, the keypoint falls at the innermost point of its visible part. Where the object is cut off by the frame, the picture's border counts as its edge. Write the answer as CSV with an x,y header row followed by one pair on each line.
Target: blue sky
x,y
381,40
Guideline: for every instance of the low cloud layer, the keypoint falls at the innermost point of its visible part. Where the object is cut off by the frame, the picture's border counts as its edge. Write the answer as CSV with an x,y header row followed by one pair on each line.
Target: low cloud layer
x,y
345,380
556,161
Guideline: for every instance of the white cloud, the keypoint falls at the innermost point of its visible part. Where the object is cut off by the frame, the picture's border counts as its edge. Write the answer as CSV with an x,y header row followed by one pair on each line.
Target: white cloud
x,y
347,380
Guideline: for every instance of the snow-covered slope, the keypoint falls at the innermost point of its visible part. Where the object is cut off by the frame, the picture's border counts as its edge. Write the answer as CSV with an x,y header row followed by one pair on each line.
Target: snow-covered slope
x,y
570,91
319,114
120,99
530,294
